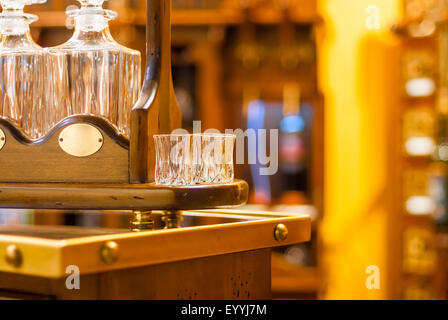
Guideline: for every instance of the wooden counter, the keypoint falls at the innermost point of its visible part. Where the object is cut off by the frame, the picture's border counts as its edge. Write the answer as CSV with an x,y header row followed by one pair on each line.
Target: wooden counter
x,y
214,255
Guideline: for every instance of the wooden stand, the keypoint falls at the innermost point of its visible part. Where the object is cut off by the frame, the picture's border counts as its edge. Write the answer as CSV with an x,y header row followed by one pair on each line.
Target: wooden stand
x,y
96,151
84,162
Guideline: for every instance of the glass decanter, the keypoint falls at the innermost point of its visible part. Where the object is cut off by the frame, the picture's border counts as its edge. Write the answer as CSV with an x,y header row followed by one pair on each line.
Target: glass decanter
x,y
91,73
21,68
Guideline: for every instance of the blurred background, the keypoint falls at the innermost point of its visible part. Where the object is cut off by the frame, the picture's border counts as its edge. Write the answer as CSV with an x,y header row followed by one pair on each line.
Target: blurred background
x,y
359,92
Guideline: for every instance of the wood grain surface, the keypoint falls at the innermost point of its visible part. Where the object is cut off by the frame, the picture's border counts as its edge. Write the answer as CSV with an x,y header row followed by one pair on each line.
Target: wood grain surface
x,y
157,110
239,276
43,161
122,196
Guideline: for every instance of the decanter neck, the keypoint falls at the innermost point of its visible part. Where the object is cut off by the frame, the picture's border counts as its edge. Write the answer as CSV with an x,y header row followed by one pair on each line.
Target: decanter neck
x,y
13,38
91,22
14,26
87,33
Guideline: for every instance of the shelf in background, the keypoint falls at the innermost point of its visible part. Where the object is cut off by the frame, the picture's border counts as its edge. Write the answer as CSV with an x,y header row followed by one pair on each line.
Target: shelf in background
x,y
193,17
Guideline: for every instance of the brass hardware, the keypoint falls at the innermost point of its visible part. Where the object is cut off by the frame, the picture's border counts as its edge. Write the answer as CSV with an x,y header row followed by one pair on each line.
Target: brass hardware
x,y
280,232
172,219
81,140
141,221
109,252
49,258
2,139
13,256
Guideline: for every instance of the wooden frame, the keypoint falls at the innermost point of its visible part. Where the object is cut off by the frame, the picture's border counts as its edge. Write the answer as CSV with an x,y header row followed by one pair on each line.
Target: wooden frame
x,y
49,258
157,110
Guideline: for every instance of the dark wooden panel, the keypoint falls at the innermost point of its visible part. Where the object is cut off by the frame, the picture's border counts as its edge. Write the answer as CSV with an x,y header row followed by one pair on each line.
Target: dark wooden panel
x,y
238,276
244,275
25,160
25,287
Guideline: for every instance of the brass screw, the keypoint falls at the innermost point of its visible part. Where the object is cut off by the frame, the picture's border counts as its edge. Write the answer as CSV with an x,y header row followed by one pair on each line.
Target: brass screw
x,y
280,232
13,256
109,252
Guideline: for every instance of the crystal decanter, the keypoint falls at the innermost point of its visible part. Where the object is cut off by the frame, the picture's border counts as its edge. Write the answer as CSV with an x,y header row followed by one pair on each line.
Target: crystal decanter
x,y
21,68
91,73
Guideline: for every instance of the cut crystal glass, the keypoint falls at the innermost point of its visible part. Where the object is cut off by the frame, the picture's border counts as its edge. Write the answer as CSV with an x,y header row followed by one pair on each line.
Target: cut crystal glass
x,y
217,159
174,165
186,159
91,73
21,68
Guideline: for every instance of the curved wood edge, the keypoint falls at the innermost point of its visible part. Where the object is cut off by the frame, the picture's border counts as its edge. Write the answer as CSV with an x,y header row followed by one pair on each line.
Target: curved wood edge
x,y
122,196
14,128
97,121
227,195
154,55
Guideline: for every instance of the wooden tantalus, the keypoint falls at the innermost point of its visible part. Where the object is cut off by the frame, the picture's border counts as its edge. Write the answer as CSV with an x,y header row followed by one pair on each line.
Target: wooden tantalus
x,y
113,172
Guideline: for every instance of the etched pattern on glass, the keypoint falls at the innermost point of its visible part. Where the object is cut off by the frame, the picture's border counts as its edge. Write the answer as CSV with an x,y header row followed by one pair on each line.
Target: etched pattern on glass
x,y
217,159
174,160
197,158
21,69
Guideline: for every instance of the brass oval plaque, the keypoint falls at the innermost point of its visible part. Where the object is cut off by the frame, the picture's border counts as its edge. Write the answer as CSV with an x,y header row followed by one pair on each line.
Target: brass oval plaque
x,y
2,139
81,140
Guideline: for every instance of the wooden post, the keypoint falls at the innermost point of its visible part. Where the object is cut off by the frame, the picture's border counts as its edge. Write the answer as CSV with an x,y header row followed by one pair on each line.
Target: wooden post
x,y
157,110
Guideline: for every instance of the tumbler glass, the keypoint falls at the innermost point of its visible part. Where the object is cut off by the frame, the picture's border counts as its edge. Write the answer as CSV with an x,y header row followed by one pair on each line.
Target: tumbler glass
x,y
186,159
174,159
217,158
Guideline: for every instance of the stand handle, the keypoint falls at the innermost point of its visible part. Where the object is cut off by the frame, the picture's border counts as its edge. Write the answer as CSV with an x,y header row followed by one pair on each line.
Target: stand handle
x,y
157,110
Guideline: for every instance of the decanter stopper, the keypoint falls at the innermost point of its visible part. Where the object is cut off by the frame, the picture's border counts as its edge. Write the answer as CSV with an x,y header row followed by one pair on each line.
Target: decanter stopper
x,y
18,5
91,9
13,19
